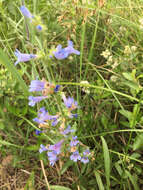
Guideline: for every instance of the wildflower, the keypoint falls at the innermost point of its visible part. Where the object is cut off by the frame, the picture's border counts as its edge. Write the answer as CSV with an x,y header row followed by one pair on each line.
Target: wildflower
x,y
133,48
86,152
52,156
39,27
73,115
85,89
127,50
37,132
42,116
67,130
33,100
60,53
56,147
75,156
85,160
42,148
74,142
36,85
106,53
69,102
26,12
70,48
56,89
22,57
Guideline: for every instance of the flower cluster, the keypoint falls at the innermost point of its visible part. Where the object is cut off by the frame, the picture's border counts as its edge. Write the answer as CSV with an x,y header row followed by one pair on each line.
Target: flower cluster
x,y
60,126
67,144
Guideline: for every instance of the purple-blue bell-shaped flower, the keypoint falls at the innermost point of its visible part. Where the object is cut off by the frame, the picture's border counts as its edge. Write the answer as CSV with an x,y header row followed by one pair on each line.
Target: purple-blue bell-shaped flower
x,y
56,147
23,57
70,48
33,100
74,142
36,85
42,148
85,160
26,12
60,53
75,156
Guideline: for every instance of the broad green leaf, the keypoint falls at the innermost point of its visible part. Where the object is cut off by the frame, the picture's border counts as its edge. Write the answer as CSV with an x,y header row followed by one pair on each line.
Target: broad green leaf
x,y
133,181
99,181
128,76
57,187
138,142
7,63
106,162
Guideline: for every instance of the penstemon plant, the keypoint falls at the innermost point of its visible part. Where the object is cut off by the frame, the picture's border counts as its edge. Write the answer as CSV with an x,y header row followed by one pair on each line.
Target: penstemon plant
x,y
62,126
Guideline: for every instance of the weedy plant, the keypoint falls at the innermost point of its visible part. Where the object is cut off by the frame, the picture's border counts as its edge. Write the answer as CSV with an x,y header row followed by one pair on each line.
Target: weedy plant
x,y
87,133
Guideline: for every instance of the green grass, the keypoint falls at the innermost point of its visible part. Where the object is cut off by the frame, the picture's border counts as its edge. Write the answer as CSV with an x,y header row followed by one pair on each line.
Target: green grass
x,y
110,116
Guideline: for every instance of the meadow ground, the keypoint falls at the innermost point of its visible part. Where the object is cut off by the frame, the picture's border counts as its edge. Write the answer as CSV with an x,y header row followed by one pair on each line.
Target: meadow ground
x,y
105,79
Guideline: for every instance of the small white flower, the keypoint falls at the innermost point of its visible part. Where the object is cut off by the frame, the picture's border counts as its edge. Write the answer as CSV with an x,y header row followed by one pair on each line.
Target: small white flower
x,y
85,89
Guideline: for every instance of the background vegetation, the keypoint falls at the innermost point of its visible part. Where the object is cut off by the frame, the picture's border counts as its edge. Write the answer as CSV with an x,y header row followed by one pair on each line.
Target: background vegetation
x,y
109,37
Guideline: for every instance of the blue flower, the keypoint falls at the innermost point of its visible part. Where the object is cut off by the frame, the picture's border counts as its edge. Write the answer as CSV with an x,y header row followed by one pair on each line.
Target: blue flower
x,y
37,132
42,148
52,157
36,85
39,27
22,57
75,156
26,12
56,147
85,160
42,116
86,152
33,100
60,53
74,142
69,102
57,88
70,48
67,130
75,115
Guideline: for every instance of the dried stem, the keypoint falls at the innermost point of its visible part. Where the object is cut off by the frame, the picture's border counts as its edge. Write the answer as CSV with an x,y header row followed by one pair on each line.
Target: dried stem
x,y
43,170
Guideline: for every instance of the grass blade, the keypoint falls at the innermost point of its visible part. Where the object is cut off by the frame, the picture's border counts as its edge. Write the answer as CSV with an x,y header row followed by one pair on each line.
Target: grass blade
x,y
106,162
99,181
132,179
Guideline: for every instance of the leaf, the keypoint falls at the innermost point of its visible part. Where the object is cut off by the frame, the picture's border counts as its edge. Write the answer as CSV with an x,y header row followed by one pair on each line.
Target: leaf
x,y
132,179
57,187
8,144
126,113
138,142
128,76
6,62
66,166
106,162
99,181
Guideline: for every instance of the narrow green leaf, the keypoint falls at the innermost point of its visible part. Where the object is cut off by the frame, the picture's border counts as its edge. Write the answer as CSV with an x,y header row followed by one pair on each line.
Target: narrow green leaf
x,y
138,142
57,187
12,69
99,181
106,162
66,166
132,179
8,144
